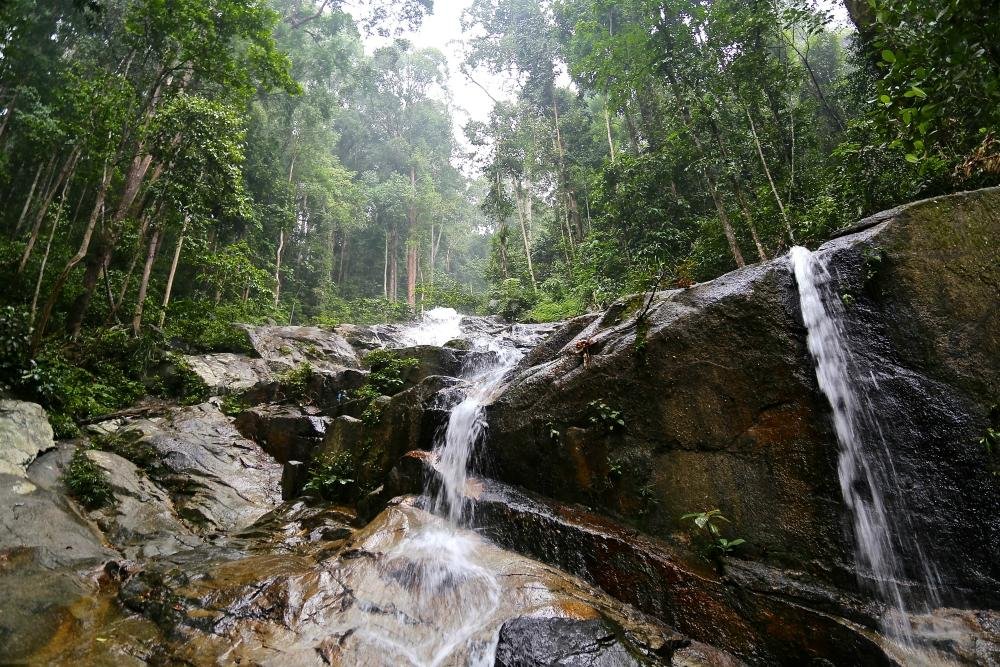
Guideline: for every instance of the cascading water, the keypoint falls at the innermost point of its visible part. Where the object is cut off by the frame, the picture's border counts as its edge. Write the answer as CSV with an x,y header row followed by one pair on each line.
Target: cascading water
x,y
445,581
867,478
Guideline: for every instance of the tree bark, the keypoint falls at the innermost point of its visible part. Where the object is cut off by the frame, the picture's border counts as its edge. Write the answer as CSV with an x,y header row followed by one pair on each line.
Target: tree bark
x,y
65,174
48,248
27,202
522,213
173,271
767,172
81,252
277,268
147,269
411,244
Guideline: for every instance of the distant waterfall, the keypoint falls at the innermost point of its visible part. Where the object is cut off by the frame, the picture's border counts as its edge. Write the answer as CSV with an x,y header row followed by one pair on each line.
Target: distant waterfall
x,y
867,478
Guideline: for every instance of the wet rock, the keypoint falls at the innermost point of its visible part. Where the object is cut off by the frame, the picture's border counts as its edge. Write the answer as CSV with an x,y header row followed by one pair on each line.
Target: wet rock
x,y
294,475
767,626
563,642
406,589
284,348
721,407
48,550
142,522
24,433
233,374
286,432
393,426
432,360
412,475
217,479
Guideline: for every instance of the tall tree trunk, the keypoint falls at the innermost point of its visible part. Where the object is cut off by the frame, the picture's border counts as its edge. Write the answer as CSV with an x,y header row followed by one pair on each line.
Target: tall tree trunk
x,y
385,268
27,202
147,269
101,260
277,268
394,264
65,174
767,172
607,125
60,282
48,248
745,210
411,244
520,199
173,271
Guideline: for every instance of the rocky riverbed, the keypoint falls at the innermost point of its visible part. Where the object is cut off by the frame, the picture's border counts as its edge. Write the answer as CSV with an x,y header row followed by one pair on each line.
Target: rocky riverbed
x,y
216,550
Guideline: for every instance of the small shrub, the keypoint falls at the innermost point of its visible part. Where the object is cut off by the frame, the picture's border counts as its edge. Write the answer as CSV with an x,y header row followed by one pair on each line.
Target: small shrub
x,y
295,382
331,477
388,372
87,482
547,310
603,415
707,527
234,404
184,384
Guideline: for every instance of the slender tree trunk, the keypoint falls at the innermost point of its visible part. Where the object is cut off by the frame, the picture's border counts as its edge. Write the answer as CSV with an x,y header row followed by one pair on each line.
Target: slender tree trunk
x,y
385,268
173,271
521,217
745,210
27,202
65,174
277,268
411,245
140,242
607,125
147,269
767,172
48,248
81,252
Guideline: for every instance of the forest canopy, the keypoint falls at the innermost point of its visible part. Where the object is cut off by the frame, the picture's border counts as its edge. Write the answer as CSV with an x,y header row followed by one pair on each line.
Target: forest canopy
x,y
170,167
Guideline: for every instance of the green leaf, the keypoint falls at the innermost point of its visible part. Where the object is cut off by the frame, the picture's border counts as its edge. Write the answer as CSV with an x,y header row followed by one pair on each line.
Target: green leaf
x,y
912,159
885,99
888,56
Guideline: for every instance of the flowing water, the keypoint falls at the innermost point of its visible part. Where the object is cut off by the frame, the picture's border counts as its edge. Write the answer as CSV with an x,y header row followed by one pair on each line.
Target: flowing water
x,y
867,478
443,575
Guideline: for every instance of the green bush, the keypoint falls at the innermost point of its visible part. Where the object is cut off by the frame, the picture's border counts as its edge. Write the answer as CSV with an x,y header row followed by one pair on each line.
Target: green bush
x,y
130,446
184,384
331,477
201,326
87,482
337,310
295,382
15,347
556,311
388,372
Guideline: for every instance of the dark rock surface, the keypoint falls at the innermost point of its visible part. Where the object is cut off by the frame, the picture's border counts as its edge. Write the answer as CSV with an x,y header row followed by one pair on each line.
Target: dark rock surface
x,y
721,407
563,642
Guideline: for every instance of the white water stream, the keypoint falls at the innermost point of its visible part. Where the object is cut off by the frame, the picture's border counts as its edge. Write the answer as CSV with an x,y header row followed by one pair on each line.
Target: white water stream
x,y
867,478
445,579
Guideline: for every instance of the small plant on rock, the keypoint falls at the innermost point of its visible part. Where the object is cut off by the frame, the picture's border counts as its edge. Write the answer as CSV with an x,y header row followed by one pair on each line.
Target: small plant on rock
x,y
388,371
603,415
87,482
331,476
295,381
707,526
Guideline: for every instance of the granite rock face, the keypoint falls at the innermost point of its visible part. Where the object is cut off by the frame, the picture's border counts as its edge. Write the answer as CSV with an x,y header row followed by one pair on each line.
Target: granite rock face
x,y
720,406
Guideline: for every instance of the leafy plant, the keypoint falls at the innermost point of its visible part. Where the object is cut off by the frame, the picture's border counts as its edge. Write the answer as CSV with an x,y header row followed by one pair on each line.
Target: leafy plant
x,y
128,445
295,381
87,482
388,372
331,476
707,526
603,415
184,384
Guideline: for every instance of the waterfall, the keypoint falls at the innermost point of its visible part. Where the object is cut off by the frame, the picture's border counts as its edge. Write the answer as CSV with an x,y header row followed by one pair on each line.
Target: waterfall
x,y
437,327
445,581
867,478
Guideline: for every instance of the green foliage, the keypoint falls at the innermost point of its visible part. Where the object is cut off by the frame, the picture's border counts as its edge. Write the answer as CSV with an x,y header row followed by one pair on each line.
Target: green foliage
x,y
707,527
510,299
184,384
388,371
556,311
332,477
87,482
336,310
295,382
200,326
604,416
15,348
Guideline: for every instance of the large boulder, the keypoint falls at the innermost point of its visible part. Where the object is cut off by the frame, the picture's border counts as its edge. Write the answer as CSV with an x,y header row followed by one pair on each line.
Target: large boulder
x,y
286,432
24,434
711,401
285,348
217,479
